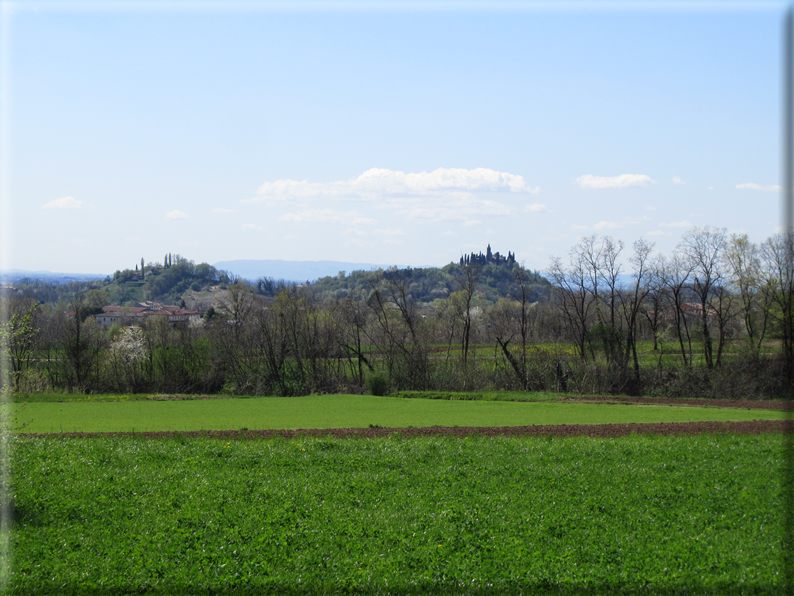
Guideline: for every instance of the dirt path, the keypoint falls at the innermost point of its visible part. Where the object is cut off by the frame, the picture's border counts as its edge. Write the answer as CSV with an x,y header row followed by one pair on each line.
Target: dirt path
x,y
551,430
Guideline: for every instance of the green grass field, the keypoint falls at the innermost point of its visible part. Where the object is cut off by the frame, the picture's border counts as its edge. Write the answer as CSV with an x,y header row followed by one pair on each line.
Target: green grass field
x,y
640,514
345,411
115,397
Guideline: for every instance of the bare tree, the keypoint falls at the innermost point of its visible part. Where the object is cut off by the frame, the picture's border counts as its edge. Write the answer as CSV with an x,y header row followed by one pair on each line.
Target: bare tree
x,y
777,254
743,259
397,319
652,308
352,311
81,342
674,274
632,299
463,301
575,290
504,321
608,270
521,293
703,248
236,303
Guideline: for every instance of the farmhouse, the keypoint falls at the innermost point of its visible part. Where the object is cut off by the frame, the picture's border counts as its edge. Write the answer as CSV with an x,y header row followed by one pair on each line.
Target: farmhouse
x,y
127,315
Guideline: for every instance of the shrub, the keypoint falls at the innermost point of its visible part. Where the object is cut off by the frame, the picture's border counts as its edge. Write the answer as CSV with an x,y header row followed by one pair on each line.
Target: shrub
x,y
378,383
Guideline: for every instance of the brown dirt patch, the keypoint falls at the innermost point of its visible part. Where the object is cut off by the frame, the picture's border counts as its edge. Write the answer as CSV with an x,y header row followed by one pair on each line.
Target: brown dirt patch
x,y
552,430
679,401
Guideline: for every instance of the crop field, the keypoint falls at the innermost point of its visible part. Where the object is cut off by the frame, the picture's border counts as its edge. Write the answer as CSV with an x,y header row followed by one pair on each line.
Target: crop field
x,y
343,411
640,514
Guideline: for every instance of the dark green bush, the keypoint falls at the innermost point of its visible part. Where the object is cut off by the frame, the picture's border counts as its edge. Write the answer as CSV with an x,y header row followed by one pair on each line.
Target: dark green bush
x,y
378,383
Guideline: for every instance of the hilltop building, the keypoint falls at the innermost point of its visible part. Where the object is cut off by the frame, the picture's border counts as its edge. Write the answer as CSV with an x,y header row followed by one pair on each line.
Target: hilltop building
x,y
488,257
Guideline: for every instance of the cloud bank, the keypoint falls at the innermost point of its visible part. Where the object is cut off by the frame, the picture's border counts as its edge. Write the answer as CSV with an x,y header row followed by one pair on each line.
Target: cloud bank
x,y
443,194
63,203
622,181
378,183
176,214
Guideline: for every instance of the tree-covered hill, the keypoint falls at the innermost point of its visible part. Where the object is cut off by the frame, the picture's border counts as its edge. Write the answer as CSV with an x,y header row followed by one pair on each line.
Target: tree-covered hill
x,y
166,282
179,278
432,283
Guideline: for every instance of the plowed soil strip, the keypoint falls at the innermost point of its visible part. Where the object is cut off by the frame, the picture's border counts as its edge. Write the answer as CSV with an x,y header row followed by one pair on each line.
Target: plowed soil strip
x,y
550,430
744,404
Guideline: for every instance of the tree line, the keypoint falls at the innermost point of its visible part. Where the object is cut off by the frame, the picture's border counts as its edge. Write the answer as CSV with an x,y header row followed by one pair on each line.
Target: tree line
x,y
717,299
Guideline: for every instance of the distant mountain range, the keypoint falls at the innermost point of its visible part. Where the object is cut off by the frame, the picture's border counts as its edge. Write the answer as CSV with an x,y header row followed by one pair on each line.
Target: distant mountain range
x,y
296,271
15,275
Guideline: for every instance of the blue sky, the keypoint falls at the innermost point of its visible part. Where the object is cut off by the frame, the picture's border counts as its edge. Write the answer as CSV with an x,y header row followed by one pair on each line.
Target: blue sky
x,y
380,135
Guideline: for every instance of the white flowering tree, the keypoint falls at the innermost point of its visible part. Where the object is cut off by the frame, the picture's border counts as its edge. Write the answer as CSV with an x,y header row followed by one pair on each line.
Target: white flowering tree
x,y
129,353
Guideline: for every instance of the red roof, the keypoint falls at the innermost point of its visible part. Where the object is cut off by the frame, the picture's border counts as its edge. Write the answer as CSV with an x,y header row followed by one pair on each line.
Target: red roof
x,y
130,309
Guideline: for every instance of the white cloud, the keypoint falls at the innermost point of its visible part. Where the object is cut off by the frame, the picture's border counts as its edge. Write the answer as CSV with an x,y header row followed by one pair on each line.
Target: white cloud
x,y
250,226
536,208
444,194
656,233
354,231
222,210
677,180
578,227
389,232
620,224
377,183
677,224
176,214
622,181
754,186
471,222
449,233
710,188
63,203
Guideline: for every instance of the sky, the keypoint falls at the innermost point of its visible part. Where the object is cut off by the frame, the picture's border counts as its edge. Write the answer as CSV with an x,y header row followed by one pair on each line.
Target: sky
x,y
381,133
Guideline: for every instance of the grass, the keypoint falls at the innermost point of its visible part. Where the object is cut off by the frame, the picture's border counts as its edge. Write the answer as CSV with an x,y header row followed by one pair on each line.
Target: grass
x,y
114,397
640,514
668,351
341,411
87,398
